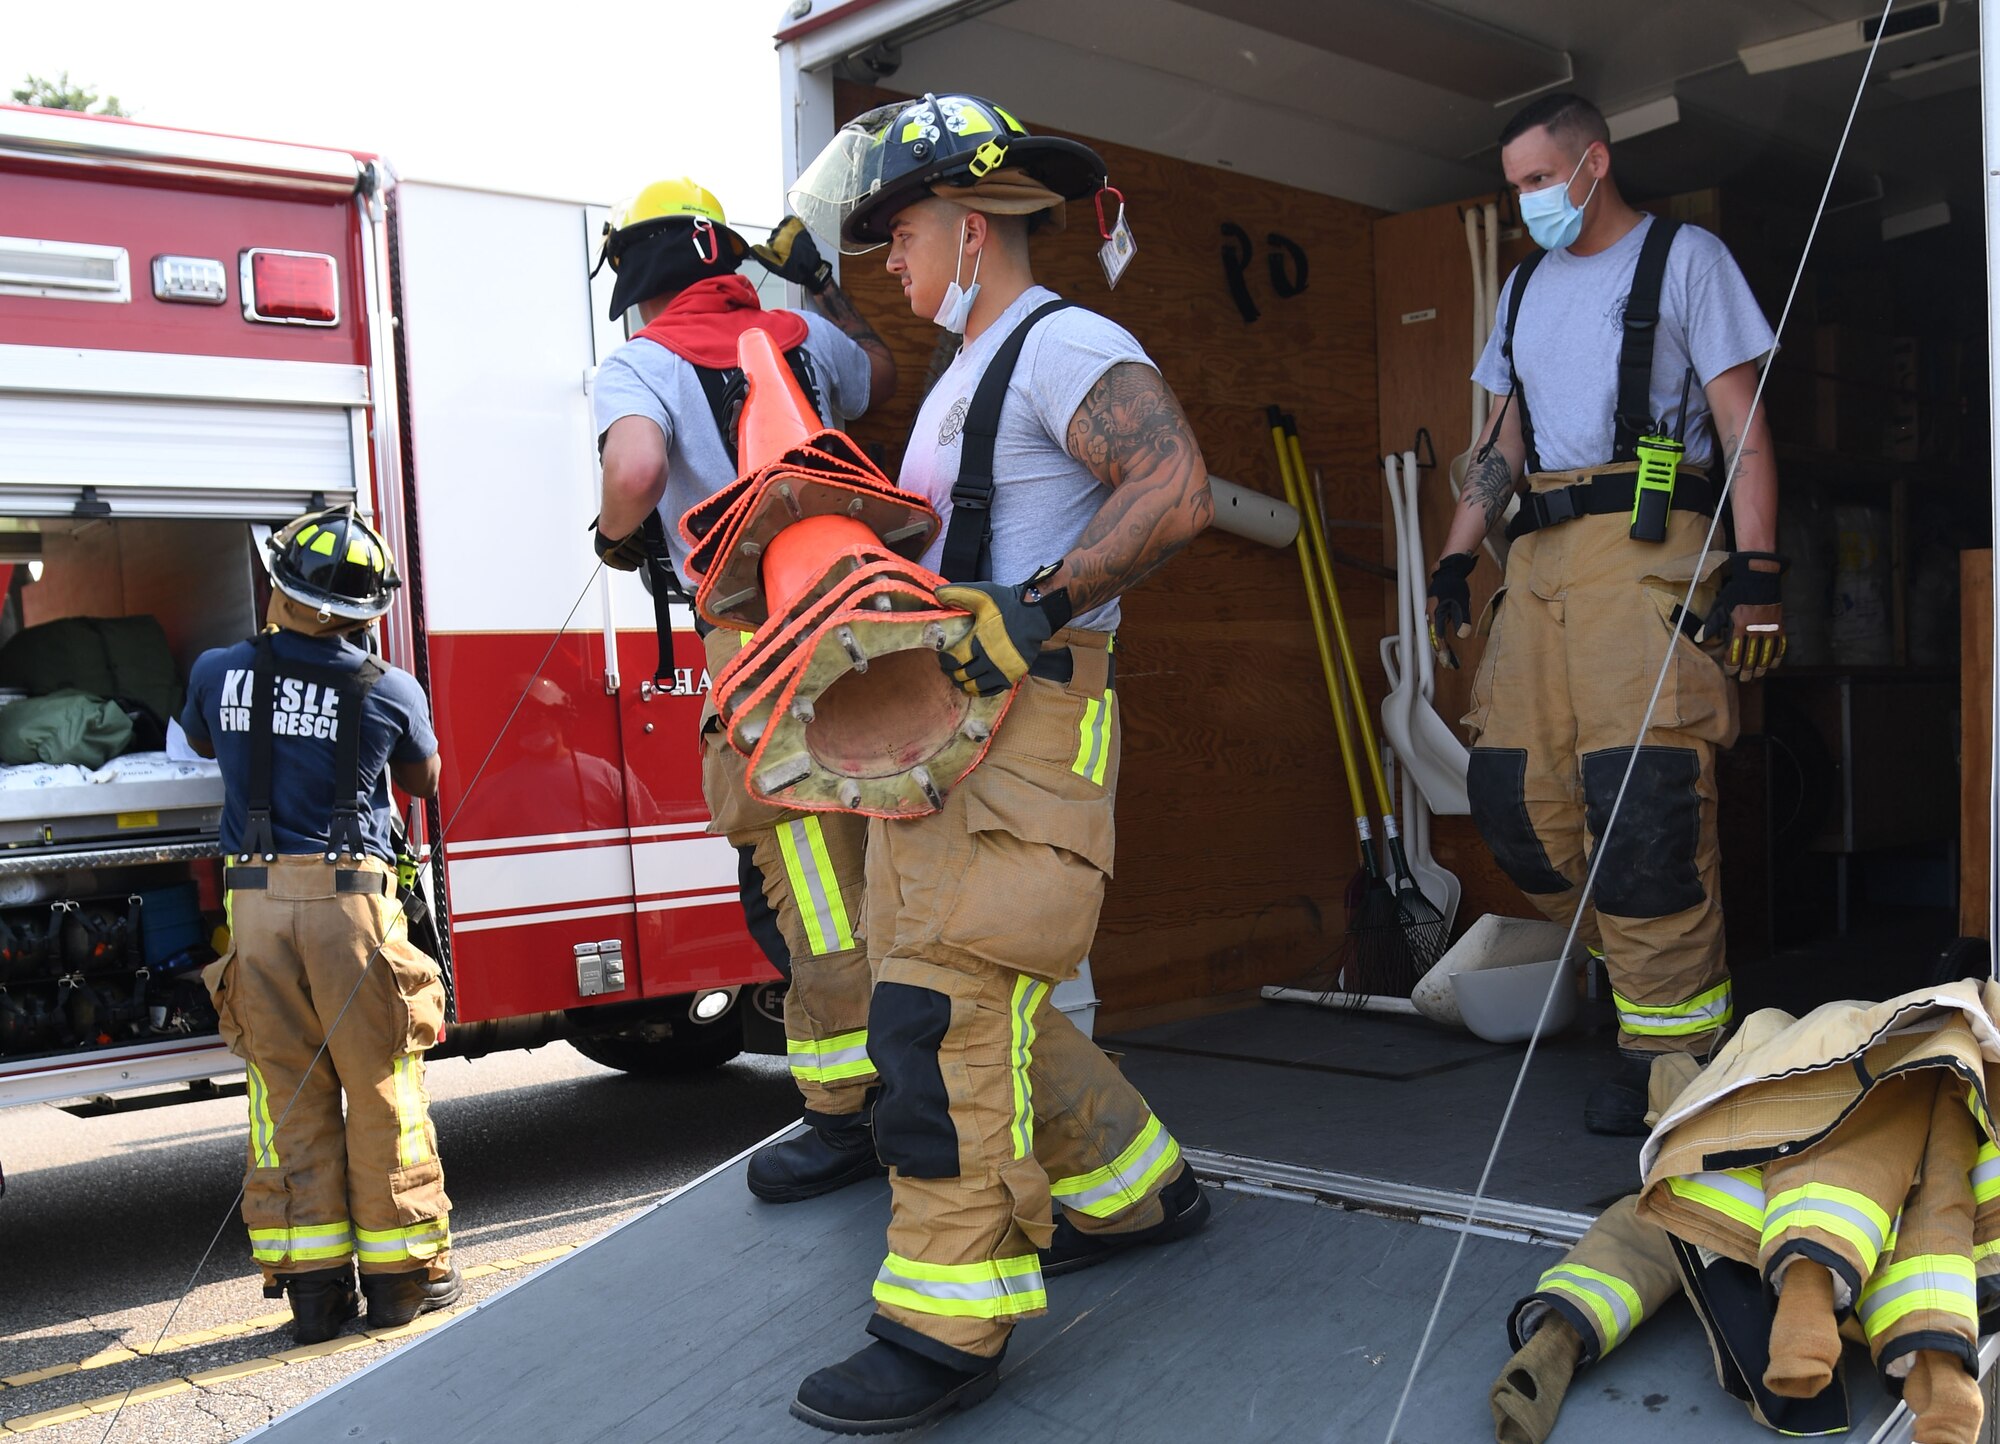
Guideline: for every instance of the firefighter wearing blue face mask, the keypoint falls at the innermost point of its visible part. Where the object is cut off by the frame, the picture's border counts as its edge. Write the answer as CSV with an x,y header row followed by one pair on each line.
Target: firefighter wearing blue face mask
x,y
1626,351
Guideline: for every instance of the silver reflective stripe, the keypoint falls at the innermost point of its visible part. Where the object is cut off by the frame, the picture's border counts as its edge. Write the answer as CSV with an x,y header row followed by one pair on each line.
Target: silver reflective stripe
x,y
971,1290
398,1248
1120,1183
1099,736
809,869
1943,1283
1986,1174
334,1236
831,1058
1713,1012
1747,1194
1620,1311
1774,1222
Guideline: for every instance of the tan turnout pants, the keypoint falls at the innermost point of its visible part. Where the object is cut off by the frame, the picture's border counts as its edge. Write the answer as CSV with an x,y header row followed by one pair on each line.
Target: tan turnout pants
x,y
1576,637
1619,1274
810,864
1923,1294
322,1188
994,1106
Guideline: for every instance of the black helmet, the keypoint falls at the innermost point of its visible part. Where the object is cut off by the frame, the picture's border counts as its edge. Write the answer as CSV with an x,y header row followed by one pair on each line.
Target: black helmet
x,y
884,159
334,562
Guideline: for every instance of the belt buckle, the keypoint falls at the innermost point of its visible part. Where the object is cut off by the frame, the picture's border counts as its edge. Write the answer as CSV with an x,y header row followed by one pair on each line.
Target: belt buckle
x,y
1557,506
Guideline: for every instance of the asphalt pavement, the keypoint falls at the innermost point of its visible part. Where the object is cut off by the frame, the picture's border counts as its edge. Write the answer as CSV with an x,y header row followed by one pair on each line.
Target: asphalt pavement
x,y
105,1218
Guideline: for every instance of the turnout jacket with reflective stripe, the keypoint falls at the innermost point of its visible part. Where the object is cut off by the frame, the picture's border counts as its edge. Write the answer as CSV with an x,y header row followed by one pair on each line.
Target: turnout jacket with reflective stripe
x,y
1783,1083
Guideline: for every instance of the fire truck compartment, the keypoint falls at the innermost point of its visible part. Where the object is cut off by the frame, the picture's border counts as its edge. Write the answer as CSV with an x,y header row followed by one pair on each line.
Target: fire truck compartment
x,y
1294,1315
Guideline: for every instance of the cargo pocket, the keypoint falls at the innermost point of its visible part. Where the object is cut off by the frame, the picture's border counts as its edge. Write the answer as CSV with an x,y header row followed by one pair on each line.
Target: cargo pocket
x,y
1696,698
417,1190
1031,894
733,812
1482,675
420,992
219,978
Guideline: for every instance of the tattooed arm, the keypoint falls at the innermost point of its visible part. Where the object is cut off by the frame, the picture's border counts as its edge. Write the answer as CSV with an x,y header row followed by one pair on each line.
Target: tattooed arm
x,y
1488,483
1132,436
1753,496
835,304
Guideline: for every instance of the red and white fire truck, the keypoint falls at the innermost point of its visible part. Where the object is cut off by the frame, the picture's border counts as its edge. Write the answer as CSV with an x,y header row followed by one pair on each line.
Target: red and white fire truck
x,y
203,336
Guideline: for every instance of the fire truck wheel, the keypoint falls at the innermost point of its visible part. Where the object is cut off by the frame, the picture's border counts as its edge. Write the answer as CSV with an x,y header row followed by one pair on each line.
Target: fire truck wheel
x,y
662,1057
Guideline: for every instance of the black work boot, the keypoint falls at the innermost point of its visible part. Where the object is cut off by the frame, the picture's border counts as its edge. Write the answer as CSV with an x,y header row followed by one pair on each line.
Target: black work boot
x,y
322,1301
887,1388
830,1154
1185,1201
395,1299
1617,1105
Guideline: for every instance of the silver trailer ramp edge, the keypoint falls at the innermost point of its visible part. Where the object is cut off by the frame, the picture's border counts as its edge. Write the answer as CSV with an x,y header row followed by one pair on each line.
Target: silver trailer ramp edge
x,y
1292,1317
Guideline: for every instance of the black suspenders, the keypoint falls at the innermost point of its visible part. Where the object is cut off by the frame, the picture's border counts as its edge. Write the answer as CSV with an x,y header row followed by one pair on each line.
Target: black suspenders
x,y
344,833
965,542
1632,416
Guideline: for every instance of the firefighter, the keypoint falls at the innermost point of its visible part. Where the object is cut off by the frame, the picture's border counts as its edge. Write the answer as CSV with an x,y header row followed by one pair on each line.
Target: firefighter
x,y
321,992
993,1104
1623,342
666,406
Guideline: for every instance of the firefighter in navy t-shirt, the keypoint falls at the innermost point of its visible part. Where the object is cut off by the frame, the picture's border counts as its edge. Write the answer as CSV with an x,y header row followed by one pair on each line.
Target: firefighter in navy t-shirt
x,y
310,730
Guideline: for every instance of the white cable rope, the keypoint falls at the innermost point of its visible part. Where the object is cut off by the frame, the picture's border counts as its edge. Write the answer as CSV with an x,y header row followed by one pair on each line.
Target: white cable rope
x,y
389,928
1645,724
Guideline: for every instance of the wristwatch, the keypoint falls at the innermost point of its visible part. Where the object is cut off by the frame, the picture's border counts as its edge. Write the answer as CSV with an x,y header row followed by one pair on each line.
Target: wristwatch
x,y
1031,589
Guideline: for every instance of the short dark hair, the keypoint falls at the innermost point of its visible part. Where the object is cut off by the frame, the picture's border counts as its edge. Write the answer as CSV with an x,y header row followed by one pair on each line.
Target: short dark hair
x,y
1569,117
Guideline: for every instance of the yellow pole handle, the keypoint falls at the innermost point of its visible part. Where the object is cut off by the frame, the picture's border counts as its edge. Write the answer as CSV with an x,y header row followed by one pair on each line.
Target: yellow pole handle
x,y
1308,505
1294,496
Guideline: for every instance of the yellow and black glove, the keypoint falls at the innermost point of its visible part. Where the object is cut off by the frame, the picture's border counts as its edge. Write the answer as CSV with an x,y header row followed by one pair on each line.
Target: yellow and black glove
x,y
625,553
793,255
1749,612
1007,632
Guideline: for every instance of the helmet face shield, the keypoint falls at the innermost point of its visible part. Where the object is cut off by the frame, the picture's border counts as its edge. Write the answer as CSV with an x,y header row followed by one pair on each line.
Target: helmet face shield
x,y
843,175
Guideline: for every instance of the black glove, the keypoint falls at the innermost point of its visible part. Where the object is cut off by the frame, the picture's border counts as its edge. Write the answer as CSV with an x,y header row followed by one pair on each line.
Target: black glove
x,y
1007,633
791,253
1453,613
625,553
1748,657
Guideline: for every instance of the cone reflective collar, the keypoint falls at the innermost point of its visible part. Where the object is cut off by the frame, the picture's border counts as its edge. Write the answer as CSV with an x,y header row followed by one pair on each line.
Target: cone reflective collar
x,y
838,700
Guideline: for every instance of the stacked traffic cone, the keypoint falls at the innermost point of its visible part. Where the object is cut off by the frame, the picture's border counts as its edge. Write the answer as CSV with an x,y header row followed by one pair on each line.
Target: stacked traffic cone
x,y
837,700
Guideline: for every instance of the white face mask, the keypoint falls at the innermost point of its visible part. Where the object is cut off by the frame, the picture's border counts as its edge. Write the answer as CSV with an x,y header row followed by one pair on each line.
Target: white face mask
x,y
956,307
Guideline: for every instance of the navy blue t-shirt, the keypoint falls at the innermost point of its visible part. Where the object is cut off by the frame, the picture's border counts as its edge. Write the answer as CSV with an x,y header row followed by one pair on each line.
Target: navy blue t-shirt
x,y
395,727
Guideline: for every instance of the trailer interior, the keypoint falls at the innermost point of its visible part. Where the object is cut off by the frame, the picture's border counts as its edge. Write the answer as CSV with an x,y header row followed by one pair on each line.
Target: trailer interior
x,y
1322,154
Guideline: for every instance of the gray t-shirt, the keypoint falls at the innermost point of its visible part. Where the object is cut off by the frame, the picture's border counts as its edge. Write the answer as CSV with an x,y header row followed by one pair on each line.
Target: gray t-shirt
x,y
1043,497
644,378
1572,323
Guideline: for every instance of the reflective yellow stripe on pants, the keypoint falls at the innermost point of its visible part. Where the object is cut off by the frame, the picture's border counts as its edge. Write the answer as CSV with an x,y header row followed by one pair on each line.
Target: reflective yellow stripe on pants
x,y
1610,1300
1126,1180
1842,1212
1705,1010
305,1243
1986,1174
828,1060
1093,746
1944,1282
990,1289
815,888
412,1144
403,1245
1028,994
263,1132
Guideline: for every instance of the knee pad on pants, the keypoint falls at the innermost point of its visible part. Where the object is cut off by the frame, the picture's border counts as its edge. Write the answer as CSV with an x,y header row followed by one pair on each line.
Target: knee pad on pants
x,y
1496,786
914,1132
1649,864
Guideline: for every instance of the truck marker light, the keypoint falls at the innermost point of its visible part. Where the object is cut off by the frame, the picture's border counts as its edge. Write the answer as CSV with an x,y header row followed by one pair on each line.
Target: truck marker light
x,y
197,280
63,270
289,288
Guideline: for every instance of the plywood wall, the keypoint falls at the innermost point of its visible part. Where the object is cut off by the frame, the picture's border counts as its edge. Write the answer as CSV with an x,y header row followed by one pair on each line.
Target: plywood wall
x,y
1234,831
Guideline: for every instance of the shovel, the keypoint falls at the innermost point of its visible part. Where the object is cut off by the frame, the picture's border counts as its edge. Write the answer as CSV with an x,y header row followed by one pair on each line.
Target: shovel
x,y
1440,886
1431,751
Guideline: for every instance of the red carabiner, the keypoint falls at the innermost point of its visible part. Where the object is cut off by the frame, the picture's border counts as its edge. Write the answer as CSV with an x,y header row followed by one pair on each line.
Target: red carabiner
x,y
701,224
1102,229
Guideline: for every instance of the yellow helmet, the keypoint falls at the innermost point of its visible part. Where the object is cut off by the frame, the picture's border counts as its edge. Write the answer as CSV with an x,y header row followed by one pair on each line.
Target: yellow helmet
x,y
674,233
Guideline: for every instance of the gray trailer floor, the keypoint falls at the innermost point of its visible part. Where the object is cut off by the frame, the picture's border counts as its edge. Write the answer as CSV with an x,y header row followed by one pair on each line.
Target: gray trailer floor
x,y
1287,1319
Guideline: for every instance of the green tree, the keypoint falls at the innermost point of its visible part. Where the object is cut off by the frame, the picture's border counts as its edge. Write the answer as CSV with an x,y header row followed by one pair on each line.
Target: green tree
x,y
62,94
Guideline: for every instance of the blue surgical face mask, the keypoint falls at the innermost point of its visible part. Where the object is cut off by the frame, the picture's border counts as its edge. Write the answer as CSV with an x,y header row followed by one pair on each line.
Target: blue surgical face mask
x,y
956,307
1552,218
